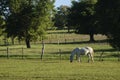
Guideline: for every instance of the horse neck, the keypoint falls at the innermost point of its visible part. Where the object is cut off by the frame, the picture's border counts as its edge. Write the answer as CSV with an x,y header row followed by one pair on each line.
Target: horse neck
x,y
72,55
73,52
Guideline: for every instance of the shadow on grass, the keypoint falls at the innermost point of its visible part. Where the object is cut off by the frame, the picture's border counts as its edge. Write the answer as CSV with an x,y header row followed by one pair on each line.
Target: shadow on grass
x,y
96,51
108,56
81,42
19,56
105,50
57,32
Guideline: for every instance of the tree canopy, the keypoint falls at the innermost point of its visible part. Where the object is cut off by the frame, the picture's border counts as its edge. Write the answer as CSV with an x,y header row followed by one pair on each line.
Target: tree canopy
x,y
82,17
2,24
28,19
108,16
61,17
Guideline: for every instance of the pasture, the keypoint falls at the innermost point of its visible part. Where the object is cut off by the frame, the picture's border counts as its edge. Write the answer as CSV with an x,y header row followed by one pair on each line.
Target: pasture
x,y
25,64
58,70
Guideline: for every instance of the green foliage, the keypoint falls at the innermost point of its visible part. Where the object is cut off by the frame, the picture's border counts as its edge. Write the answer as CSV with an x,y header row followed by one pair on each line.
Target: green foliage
x,y
2,23
108,16
29,19
61,17
82,16
4,11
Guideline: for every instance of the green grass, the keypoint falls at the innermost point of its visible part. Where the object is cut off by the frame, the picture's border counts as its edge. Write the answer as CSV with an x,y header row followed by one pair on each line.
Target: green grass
x,y
52,51
58,70
54,67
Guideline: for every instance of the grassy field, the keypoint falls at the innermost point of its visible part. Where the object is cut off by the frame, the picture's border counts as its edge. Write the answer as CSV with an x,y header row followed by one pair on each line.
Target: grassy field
x,y
57,52
55,65
58,70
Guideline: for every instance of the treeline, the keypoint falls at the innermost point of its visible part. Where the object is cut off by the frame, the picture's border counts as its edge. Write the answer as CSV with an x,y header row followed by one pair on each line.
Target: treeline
x,y
29,19
92,17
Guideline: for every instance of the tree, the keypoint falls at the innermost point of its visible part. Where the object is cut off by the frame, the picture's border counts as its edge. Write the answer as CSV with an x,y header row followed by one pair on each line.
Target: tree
x,y
29,18
108,16
2,23
4,11
82,16
61,17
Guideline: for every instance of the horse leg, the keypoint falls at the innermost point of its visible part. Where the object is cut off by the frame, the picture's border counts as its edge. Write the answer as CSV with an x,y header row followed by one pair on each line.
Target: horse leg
x,y
92,58
89,58
79,59
76,57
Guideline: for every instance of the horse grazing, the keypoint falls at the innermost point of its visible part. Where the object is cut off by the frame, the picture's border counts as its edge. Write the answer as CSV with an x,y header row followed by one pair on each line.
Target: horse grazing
x,y
82,51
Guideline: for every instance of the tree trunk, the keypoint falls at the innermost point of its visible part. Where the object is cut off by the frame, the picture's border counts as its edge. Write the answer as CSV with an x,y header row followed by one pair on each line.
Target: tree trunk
x,y
92,37
27,43
68,29
12,39
19,41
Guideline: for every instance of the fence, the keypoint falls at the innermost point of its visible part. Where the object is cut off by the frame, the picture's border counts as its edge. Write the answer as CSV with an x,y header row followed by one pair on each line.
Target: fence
x,y
29,53
56,54
104,56
50,41
56,38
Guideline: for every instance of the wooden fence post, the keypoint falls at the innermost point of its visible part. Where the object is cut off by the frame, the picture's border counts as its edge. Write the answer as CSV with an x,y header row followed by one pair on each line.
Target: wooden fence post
x,y
43,46
22,53
7,53
60,53
100,59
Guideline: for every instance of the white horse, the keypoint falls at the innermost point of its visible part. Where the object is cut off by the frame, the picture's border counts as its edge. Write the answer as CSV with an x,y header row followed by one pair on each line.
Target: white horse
x,y
82,51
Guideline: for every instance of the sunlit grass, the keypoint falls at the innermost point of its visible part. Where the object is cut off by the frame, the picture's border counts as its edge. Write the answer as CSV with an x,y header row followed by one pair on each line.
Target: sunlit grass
x,y
56,52
55,64
57,70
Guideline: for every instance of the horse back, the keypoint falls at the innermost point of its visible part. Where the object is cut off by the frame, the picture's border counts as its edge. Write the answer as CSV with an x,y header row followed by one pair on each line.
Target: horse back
x,y
90,49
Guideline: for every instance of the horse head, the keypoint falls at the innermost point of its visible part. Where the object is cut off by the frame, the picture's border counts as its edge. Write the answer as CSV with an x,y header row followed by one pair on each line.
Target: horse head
x,y
71,58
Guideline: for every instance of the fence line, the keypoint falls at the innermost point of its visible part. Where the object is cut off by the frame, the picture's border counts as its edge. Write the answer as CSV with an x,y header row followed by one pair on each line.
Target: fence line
x,y
101,55
58,54
54,41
